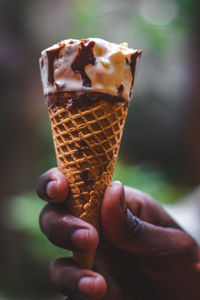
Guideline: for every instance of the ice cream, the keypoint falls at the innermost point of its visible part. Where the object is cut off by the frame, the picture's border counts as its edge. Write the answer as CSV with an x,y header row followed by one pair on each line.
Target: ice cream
x,y
88,85
89,65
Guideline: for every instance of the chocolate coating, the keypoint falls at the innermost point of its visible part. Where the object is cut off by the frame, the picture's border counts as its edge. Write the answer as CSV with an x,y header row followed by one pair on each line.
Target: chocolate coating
x,y
52,55
76,99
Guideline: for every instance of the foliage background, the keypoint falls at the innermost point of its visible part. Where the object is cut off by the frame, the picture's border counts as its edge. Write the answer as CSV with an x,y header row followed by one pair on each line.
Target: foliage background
x,y
160,148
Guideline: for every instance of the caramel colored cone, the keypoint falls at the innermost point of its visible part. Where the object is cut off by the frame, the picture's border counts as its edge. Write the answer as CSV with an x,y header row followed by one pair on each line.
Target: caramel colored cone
x,y
87,138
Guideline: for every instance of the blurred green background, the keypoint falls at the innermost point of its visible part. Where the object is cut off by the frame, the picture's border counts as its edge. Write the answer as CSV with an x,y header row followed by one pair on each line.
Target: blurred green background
x,y
160,148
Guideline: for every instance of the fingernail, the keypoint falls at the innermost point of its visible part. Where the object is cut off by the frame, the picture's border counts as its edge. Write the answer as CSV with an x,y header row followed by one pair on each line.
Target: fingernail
x,y
85,286
51,189
79,238
122,202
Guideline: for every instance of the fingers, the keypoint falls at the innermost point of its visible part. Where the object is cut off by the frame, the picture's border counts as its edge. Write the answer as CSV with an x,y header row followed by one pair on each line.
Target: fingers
x,y
129,233
52,186
67,231
77,283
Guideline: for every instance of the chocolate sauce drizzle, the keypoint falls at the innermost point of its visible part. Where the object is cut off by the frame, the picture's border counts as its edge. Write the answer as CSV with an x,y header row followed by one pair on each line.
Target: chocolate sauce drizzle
x,y
133,62
85,57
127,61
130,93
52,55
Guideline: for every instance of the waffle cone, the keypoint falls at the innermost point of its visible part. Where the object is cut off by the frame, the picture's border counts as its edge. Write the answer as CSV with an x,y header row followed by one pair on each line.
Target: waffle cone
x,y
87,138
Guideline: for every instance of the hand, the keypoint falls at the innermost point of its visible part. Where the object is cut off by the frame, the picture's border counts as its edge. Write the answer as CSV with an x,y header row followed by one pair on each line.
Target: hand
x,y
142,252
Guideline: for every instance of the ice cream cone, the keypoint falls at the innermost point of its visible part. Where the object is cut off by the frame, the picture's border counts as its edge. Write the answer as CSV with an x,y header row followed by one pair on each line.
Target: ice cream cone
x,y
87,127
87,139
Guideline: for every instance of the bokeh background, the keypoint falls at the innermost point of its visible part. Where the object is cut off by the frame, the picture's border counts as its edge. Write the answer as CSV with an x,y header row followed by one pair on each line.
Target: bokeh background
x,y
160,151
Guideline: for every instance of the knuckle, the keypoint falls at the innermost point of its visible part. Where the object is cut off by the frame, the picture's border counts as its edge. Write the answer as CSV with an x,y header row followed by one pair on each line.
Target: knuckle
x,y
52,270
59,233
55,232
42,217
65,279
59,276
48,219
41,185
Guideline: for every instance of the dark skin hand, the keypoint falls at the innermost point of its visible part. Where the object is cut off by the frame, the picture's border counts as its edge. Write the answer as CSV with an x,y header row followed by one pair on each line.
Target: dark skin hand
x,y
142,253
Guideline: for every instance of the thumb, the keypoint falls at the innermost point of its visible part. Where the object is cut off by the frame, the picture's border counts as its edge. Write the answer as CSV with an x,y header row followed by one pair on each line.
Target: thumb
x,y
128,232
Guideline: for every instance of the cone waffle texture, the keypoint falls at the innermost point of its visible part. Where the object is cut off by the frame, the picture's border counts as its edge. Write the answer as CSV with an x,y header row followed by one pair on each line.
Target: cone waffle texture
x,y
87,139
